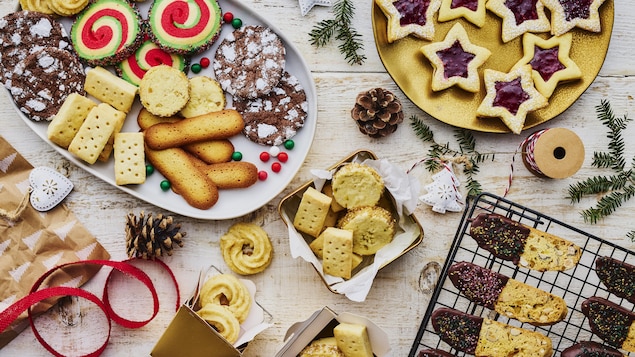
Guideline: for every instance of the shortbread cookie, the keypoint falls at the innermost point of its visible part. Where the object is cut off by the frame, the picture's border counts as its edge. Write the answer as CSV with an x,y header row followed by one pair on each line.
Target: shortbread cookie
x,y
337,252
276,116
223,321
130,164
107,32
323,347
164,90
233,174
41,82
148,55
618,276
328,190
353,340
357,185
508,297
484,337
312,212
614,324
246,248
525,246
373,227
590,349
69,119
519,17
249,62
107,87
26,32
567,15
91,138
227,291
409,18
206,95
317,247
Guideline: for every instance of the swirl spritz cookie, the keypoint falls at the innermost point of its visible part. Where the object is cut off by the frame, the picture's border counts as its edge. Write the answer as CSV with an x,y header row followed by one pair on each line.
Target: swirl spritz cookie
x,y
222,320
147,56
226,290
246,248
184,27
107,32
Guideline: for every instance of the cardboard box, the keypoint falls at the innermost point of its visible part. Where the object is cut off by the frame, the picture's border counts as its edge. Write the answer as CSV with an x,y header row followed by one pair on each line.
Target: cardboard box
x,y
321,324
189,335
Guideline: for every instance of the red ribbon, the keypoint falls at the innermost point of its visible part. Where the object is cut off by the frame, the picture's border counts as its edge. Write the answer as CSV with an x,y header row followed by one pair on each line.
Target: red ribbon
x,y
36,296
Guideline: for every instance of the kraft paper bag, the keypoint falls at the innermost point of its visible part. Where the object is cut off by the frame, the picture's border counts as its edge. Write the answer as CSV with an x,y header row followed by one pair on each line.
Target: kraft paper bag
x,y
33,242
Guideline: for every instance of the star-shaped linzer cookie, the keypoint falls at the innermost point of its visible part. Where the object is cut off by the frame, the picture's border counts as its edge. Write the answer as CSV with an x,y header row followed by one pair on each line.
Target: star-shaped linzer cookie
x,y
471,10
510,96
549,60
520,16
567,14
456,61
406,17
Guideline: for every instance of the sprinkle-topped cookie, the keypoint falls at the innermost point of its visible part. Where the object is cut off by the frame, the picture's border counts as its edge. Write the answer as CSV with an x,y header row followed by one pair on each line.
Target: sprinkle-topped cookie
x,y
549,60
565,15
510,96
610,322
184,27
456,61
147,56
520,16
406,17
471,10
107,32
617,276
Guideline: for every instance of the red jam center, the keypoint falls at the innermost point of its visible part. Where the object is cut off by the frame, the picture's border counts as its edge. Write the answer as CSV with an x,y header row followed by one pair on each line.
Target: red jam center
x,y
546,62
412,11
510,95
472,5
576,9
523,9
455,60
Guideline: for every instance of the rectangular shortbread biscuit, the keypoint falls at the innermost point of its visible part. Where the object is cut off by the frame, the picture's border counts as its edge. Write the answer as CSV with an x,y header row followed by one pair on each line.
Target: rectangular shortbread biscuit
x,y
107,87
130,159
108,148
353,340
94,133
69,119
337,253
312,211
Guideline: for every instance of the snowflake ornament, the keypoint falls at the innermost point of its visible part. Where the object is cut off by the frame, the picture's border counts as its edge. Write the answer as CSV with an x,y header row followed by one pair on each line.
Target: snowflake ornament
x,y
443,193
307,5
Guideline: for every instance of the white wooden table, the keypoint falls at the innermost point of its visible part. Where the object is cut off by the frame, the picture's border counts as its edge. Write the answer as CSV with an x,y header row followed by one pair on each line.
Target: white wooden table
x,y
290,289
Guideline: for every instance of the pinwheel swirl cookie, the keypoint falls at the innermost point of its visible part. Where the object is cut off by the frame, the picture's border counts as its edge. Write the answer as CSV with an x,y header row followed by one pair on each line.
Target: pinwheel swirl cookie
x,y
246,248
227,291
107,32
184,27
149,55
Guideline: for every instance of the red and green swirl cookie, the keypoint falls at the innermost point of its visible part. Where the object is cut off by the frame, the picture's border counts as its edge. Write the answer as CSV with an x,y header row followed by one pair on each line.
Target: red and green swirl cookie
x,y
107,32
185,27
147,56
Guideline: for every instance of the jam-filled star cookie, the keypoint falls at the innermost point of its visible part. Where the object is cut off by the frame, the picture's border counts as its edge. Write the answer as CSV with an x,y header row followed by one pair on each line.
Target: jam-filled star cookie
x,y
519,17
471,10
406,17
456,61
549,60
565,15
510,96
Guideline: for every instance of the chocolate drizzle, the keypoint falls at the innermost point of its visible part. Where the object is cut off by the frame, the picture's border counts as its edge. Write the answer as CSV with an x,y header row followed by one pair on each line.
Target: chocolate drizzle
x,y
608,320
500,236
458,329
618,276
478,284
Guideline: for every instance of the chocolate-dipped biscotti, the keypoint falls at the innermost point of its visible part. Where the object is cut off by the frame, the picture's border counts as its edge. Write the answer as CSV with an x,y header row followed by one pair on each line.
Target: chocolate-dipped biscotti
x,y
508,297
590,349
525,246
617,276
484,337
433,352
610,322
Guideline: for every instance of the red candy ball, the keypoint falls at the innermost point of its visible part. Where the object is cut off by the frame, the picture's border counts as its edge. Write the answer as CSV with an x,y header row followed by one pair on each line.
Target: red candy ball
x,y
283,157
276,167
262,175
205,62
264,156
228,16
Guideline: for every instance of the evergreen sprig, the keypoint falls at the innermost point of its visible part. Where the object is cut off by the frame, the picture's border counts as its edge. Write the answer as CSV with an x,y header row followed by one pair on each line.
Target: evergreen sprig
x,y
617,188
439,153
340,28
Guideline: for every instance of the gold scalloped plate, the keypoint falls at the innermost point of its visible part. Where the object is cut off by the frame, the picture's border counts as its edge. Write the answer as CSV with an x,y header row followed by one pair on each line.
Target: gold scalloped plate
x,y
412,72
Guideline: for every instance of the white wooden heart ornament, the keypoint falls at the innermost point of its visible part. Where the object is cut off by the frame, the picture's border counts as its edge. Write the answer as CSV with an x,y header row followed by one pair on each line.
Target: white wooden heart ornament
x,y
48,188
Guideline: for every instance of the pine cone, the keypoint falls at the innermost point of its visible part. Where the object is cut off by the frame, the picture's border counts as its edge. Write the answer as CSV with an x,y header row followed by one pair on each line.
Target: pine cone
x,y
377,112
149,237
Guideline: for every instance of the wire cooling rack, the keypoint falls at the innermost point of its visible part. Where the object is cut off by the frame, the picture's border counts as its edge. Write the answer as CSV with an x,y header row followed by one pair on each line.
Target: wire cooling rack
x,y
574,285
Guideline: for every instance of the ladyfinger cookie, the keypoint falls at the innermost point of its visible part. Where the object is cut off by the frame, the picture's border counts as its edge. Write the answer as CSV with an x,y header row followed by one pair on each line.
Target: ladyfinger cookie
x,y
483,337
590,349
617,276
525,246
508,297
233,174
211,126
610,322
186,179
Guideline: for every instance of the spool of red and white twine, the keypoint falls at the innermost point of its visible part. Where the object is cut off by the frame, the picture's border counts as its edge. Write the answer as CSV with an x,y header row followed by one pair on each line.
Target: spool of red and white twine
x,y
555,153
